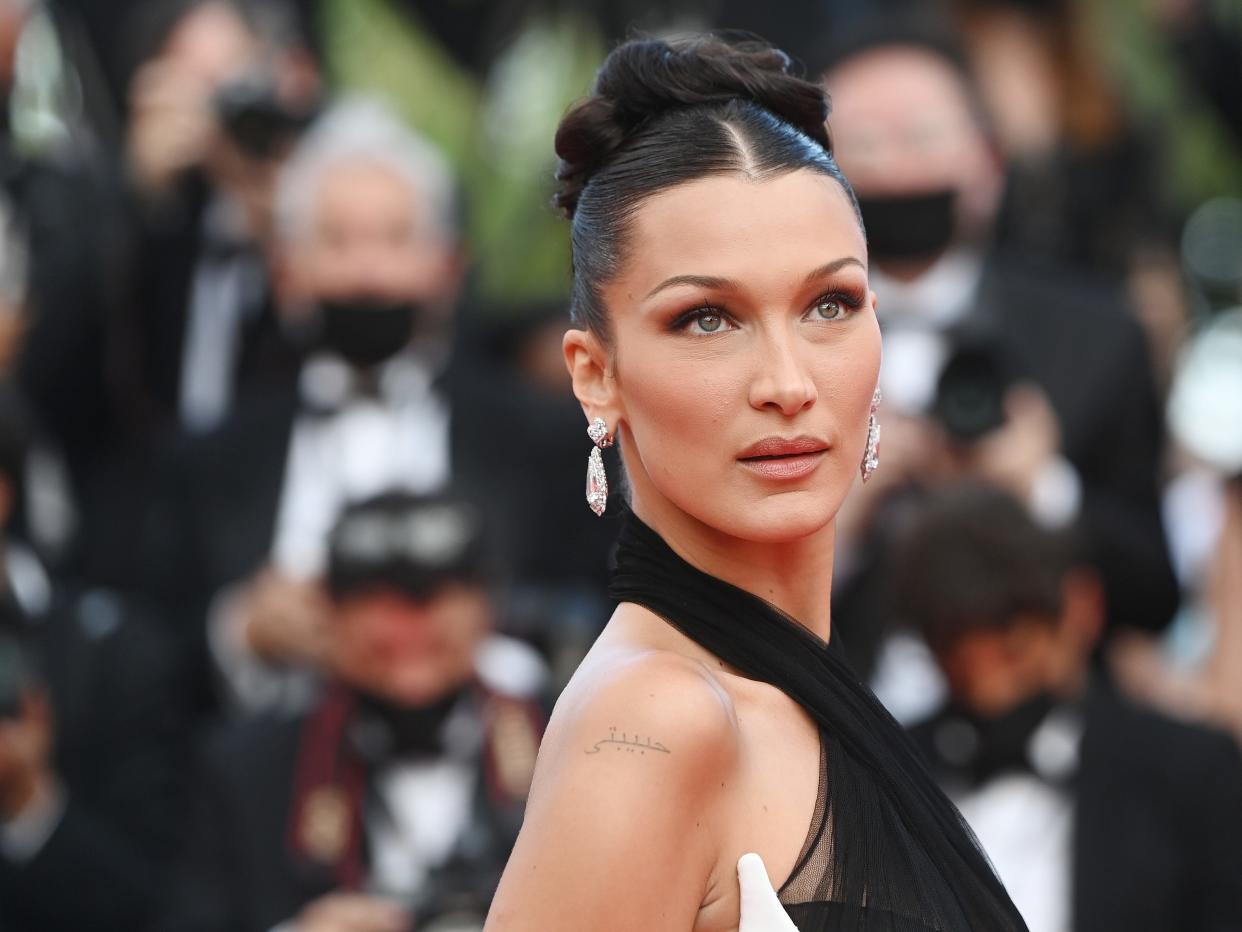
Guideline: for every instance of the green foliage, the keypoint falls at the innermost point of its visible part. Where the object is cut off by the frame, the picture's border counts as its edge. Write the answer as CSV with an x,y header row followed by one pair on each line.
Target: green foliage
x,y
498,133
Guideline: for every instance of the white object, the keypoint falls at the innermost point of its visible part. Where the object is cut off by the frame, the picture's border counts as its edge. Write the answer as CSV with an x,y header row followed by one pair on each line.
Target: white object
x,y
761,910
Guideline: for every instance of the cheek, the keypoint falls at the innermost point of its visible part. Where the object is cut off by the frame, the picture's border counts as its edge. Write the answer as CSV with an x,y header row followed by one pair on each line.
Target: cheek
x,y
853,376
688,410
382,643
679,405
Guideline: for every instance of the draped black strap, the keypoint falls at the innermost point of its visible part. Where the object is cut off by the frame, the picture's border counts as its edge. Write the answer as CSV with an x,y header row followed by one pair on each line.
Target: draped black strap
x,y
899,855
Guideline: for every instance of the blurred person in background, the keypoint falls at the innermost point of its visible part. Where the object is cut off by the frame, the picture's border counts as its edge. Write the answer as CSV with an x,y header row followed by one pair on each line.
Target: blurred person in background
x,y
1075,430
1208,47
1082,185
394,802
1195,669
1088,184
1098,814
90,736
63,219
213,114
46,516
368,272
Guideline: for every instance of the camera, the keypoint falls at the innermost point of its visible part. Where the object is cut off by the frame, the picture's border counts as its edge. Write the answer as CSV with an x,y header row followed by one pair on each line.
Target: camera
x,y
256,118
970,392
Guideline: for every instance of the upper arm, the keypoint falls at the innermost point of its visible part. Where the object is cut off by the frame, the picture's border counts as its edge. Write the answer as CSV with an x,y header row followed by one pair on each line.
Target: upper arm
x,y
619,829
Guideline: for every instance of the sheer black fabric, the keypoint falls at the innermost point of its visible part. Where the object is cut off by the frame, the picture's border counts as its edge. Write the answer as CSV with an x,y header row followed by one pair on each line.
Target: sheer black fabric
x,y
887,850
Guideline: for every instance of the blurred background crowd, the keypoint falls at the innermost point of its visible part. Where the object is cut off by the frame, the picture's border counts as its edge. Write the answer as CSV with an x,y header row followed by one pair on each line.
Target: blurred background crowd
x,y
295,557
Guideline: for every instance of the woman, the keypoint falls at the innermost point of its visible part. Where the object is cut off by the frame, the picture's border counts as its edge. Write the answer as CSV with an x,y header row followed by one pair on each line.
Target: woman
x,y
728,342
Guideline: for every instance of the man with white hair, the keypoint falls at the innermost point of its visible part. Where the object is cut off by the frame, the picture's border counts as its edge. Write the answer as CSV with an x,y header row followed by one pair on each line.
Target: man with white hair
x,y
367,272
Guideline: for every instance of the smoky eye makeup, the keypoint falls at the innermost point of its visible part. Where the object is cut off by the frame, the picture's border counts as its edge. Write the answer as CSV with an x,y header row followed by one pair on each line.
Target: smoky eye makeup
x,y
848,300
711,319
714,318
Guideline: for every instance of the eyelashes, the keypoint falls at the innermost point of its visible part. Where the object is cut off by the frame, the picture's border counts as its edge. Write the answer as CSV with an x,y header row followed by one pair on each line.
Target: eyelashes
x,y
715,318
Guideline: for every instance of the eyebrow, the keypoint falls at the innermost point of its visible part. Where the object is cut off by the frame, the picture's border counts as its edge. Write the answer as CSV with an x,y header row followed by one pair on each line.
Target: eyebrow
x,y
712,281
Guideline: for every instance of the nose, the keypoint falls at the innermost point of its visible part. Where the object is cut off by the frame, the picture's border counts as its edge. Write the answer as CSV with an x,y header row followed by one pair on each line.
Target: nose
x,y
782,382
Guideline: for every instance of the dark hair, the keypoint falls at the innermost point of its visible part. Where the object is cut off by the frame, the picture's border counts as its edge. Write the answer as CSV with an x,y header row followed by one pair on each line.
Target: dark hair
x,y
974,558
663,113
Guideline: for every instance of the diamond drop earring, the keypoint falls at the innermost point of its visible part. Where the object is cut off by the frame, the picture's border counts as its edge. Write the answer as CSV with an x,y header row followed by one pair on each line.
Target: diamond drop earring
x,y
871,458
596,479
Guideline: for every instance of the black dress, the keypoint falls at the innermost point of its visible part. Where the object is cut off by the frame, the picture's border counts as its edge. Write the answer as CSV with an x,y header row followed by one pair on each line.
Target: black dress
x,y
886,851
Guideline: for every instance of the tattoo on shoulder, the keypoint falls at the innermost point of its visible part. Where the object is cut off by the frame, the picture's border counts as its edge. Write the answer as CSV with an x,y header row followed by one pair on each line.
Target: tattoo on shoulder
x,y
629,743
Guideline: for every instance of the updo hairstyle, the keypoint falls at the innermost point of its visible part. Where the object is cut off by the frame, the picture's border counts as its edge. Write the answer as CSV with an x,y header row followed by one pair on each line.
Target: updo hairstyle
x,y
664,113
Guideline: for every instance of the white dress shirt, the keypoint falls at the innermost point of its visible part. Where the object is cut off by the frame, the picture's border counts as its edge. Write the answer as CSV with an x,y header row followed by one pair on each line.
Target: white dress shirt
x,y
399,440
1025,823
361,446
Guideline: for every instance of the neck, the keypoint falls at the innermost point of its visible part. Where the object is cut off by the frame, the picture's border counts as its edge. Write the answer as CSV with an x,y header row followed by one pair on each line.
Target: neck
x,y
794,575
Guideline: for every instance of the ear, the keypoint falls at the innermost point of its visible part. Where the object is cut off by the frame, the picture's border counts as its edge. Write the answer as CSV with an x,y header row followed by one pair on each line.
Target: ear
x,y
590,369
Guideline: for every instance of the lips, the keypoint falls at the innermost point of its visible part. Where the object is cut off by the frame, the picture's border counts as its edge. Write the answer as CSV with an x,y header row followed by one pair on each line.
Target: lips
x,y
771,447
782,458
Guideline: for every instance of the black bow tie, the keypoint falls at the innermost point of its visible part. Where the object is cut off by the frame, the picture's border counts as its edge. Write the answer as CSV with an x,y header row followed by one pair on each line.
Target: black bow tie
x,y
1037,737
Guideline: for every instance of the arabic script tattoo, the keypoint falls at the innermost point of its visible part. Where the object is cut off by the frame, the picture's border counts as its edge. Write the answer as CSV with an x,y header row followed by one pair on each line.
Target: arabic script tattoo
x,y
629,744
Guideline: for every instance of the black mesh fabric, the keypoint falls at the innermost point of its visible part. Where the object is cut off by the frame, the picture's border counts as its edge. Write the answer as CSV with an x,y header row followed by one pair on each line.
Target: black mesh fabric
x,y
887,851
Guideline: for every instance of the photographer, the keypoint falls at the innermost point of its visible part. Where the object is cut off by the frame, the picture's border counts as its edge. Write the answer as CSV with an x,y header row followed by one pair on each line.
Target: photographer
x,y
212,116
393,803
89,736
1077,432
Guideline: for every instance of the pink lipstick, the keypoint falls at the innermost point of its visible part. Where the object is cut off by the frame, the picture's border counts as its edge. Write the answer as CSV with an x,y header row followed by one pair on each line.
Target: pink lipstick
x,y
784,458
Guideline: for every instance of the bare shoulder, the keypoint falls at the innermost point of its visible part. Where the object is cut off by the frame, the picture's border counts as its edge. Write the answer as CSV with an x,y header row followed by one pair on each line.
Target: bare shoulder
x,y
627,795
646,702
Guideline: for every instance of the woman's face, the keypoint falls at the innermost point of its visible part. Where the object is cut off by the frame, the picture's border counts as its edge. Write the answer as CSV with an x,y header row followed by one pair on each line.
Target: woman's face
x,y
744,354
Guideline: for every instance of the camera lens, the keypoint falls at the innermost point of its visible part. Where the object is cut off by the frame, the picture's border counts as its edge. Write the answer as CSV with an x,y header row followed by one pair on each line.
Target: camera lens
x,y
970,394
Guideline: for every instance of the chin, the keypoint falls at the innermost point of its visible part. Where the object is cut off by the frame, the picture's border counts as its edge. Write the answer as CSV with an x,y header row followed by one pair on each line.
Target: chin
x,y
773,518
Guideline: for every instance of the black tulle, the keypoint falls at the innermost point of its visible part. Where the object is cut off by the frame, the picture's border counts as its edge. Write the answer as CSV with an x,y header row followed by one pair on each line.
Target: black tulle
x,y
888,851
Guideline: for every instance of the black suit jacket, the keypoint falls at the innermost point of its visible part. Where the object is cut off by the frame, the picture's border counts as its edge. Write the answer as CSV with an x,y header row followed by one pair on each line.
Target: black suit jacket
x,y
240,873
167,245
213,514
1158,831
1157,835
113,682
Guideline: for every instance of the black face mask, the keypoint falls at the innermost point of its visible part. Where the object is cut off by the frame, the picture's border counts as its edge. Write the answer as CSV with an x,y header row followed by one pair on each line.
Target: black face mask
x,y
366,331
383,729
909,227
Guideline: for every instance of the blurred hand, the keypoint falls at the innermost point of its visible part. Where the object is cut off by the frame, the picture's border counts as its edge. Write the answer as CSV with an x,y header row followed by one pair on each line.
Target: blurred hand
x,y
761,910
352,912
1014,455
907,454
171,125
25,757
286,620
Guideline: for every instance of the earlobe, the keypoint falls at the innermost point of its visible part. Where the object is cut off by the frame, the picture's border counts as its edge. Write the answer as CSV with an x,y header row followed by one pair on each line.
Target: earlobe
x,y
587,360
